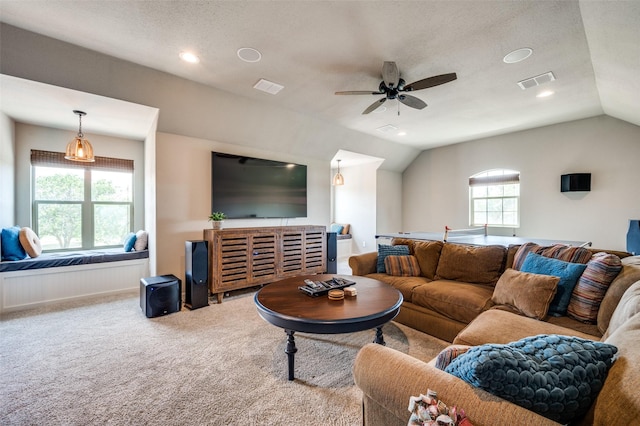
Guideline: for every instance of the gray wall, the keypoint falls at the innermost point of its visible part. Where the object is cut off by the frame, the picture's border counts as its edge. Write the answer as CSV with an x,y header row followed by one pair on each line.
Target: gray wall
x,y
436,192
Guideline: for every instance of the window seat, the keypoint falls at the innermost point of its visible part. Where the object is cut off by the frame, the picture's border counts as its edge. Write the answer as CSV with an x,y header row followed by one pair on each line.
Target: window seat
x,y
56,277
53,260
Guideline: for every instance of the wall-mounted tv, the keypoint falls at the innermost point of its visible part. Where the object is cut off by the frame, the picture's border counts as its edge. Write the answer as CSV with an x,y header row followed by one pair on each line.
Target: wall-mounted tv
x,y
246,187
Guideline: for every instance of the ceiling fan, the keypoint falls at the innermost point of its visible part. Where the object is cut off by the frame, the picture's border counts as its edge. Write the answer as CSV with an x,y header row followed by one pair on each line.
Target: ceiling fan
x,y
393,87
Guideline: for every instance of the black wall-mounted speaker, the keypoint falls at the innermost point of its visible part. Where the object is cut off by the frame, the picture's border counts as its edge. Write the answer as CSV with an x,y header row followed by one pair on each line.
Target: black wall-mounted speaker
x,y
160,295
196,274
332,253
575,182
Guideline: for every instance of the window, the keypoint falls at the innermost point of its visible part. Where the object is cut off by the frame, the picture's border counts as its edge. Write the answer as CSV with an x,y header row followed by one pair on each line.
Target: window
x,y
494,198
81,205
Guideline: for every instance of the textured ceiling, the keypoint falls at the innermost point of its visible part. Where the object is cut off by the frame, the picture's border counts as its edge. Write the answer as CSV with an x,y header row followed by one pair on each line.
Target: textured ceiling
x,y
315,48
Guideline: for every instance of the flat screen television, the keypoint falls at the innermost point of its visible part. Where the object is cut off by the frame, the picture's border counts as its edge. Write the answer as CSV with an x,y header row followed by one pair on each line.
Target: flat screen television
x,y
246,187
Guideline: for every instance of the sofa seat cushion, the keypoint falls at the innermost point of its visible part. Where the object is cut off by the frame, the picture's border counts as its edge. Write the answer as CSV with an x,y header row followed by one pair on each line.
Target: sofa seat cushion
x,y
573,324
471,264
500,326
628,307
456,300
404,285
556,376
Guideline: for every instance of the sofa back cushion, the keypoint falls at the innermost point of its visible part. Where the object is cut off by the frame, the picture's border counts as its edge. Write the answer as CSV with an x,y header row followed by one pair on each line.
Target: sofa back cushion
x,y
471,264
558,251
630,274
628,307
428,255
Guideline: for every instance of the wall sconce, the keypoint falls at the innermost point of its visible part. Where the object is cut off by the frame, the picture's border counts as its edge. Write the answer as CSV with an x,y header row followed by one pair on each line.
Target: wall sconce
x,y
338,179
79,149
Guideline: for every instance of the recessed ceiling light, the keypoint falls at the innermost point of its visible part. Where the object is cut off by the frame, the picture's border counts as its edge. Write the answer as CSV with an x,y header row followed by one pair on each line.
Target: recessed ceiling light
x,y
545,93
249,54
189,57
517,55
402,133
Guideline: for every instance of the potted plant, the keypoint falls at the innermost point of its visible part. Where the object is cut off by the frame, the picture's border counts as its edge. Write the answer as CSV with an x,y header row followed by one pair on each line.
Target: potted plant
x,y
217,218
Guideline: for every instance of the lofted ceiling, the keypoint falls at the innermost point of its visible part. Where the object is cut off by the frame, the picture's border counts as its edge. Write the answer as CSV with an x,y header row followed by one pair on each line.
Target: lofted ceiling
x,y
315,48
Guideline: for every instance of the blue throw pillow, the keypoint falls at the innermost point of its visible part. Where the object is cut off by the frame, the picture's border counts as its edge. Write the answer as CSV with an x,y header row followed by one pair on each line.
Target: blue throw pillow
x,y
556,376
11,247
569,273
129,241
385,250
337,228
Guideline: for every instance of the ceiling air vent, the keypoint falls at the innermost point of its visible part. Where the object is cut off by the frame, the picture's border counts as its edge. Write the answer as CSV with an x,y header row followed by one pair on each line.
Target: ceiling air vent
x,y
537,80
387,128
268,86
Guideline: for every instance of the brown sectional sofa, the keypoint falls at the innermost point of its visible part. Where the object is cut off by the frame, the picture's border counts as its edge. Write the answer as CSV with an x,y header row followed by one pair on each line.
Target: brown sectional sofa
x,y
451,300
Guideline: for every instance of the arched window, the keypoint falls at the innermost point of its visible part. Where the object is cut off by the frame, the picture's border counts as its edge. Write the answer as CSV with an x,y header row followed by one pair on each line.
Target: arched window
x,y
494,198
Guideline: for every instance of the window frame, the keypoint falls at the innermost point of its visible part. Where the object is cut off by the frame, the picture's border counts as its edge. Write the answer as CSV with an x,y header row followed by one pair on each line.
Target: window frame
x,y
494,177
56,160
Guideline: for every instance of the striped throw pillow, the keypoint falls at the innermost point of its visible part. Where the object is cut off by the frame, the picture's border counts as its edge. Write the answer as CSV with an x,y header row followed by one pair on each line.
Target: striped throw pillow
x,y
562,252
402,266
585,300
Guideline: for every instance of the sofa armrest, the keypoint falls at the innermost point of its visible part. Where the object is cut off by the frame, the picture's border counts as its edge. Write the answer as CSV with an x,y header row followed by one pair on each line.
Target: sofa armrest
x,y
388,378
364,264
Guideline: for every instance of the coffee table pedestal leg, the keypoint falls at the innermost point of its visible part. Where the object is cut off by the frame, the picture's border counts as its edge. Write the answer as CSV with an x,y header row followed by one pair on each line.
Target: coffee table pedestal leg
x,y
379,337
290,351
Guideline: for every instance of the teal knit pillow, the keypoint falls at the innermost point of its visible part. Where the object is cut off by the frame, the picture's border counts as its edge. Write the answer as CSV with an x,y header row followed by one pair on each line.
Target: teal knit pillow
x,y
385,250
558,377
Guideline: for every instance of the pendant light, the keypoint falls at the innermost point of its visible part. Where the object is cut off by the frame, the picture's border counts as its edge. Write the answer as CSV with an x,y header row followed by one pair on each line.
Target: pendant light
x,y
80,149
338,179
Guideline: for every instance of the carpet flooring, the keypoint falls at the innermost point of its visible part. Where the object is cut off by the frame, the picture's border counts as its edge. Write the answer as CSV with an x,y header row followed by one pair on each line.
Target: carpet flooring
x,y
101,361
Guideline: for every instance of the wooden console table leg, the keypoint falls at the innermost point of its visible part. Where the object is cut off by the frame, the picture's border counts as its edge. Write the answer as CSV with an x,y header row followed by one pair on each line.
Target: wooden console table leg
x,y
379,337
290,351
219,297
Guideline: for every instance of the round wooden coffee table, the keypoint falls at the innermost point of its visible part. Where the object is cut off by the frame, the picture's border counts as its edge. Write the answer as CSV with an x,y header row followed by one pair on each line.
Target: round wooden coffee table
x,y
283,305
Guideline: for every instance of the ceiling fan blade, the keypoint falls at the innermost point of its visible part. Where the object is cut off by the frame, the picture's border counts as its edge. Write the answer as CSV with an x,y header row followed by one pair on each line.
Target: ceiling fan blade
x,y
390,74
430,82
374,106
412,101
359,92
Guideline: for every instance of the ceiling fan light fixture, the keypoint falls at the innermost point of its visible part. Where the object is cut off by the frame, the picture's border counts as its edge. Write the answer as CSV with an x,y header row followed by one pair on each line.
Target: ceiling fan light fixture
x,y
517,55
338,179
80,149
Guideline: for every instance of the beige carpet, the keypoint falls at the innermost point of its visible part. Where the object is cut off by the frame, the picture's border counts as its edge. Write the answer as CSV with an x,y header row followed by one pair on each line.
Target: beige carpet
x,y
102,361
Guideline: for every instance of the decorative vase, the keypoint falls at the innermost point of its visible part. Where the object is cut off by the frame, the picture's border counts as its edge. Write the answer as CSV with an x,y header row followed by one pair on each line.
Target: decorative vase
x,y
217,224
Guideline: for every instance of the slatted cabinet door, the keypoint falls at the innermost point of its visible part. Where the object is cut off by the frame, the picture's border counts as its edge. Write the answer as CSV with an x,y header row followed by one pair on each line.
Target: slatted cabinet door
x,y
246,257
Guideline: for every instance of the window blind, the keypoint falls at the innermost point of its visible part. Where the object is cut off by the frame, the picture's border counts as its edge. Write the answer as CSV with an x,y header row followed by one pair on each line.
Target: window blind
x,y
495,180
56,159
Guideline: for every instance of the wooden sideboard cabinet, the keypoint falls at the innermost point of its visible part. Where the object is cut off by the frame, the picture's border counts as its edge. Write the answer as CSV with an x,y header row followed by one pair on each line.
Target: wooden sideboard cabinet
x,y
246,257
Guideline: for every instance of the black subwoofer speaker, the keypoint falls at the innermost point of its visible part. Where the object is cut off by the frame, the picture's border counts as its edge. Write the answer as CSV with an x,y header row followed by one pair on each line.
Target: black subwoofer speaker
x,y
196,272
332,253
160,295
